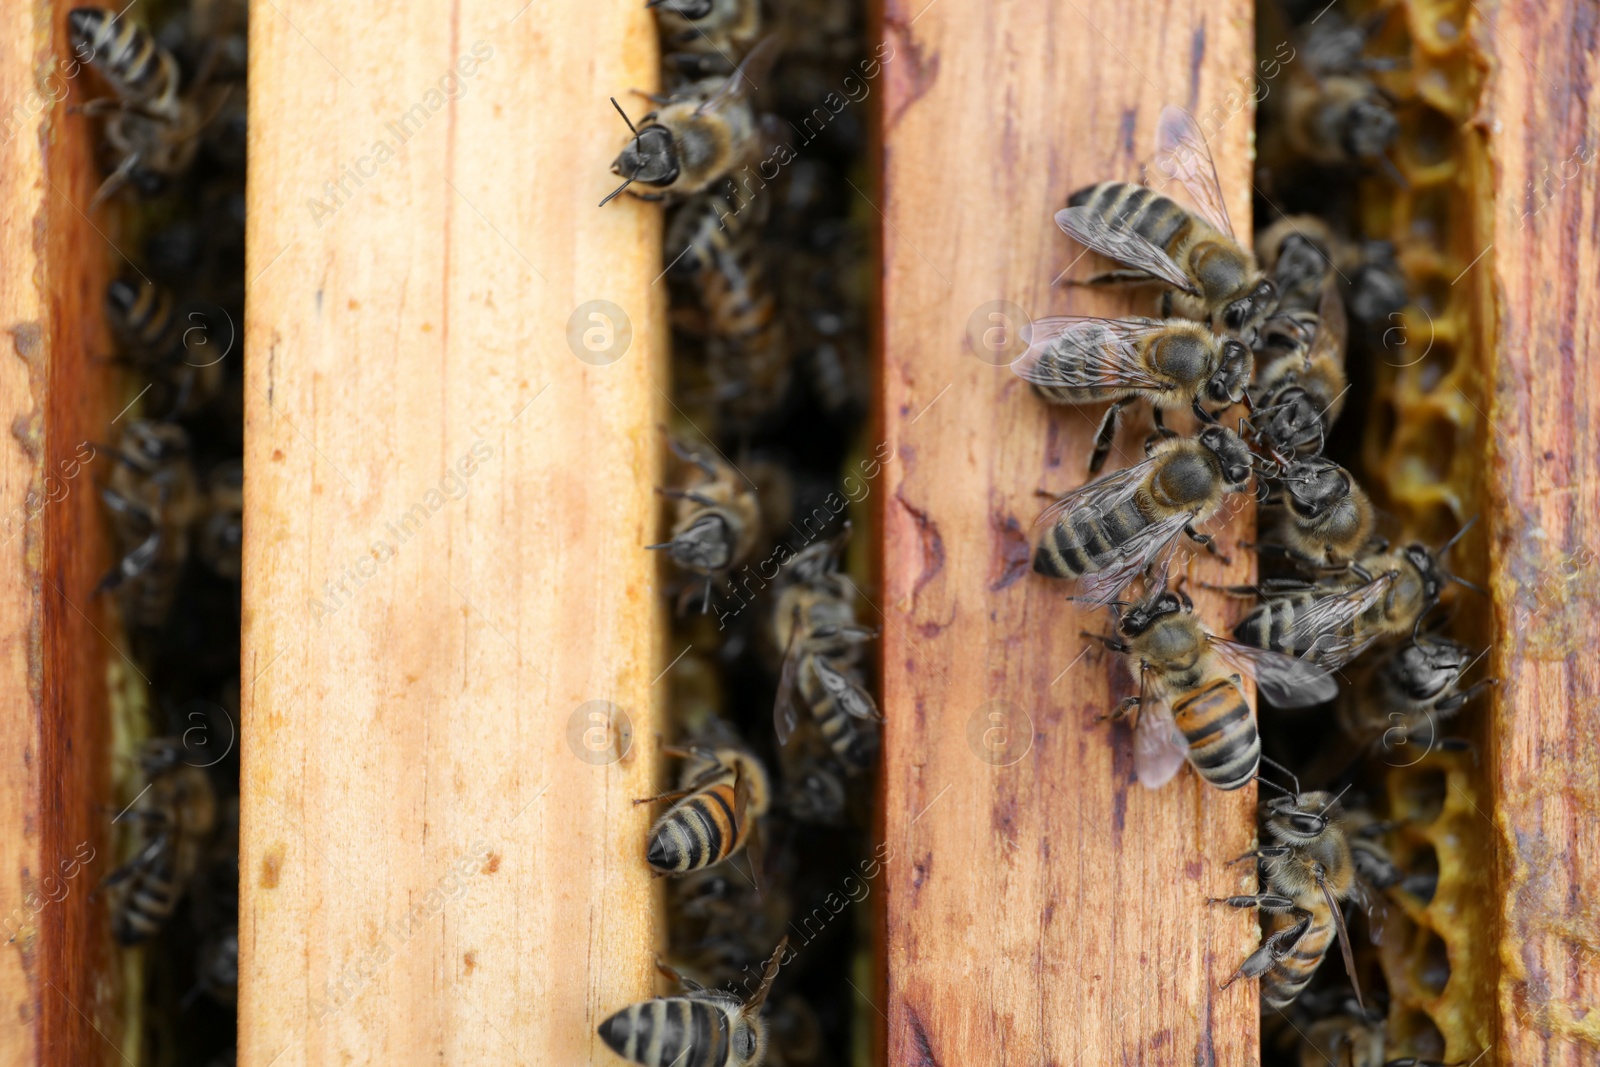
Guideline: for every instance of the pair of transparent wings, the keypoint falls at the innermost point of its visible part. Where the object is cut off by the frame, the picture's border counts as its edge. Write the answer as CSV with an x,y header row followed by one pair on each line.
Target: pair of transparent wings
x,y
1322,631
1147,547
1159,747
1183,155
1078,352
745,79
837,686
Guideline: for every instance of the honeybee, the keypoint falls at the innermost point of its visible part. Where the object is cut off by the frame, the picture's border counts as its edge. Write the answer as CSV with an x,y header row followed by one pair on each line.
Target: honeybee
x,y
1190,705
1399,700
1340,120
138,70
154,335
1355,1039
1384,595
717,518
1326,518
1309,872
1300,391
708,26
177,812
722,269
720,924
704,1028
697,136
815,789
153,501
1302,254
1169,362
220,539
722,790
814,622
1195,252
1108,531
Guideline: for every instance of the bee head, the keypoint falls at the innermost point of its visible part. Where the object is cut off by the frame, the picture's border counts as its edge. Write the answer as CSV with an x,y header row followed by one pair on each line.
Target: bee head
x,y
1228,384
689,9
705,546
1303,818
1244,315
1369,128
1315,486
1231,452
649,158
1144,615
1428,567
749,1041
1424,669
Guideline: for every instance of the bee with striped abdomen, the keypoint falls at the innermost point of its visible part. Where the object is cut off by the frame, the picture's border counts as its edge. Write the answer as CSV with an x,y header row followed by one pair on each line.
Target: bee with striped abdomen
x,y
157,336
698,136
716,522
723,789
1340,120
1105,533
814,622
1384,595
703,1028
137,69
176,813
1169,362
1309,872
1194,252
153,502
1190,705
1324,518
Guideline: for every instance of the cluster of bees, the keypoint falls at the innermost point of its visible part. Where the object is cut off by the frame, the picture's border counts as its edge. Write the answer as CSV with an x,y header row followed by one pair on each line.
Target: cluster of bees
x,y
765,257
1343,620
171,139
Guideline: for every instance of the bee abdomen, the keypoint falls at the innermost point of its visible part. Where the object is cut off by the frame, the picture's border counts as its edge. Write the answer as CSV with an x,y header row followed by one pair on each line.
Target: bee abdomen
x,y
1082,543
697,832
1288,976
669,1032
1147,213
122,49
1223,743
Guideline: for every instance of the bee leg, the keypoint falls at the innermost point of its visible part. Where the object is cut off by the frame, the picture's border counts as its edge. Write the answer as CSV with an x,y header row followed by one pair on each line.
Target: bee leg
x,y
1116,277
677,794
114,182
1208,542
1271,852
1104,435
1452,703
670,974
1273,949
1264,901
1110,642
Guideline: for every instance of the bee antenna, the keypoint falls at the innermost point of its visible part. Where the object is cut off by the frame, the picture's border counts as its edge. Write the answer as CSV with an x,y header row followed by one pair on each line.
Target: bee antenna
x,y
1474,586
1274,785
1448,545
616,192
1335,800
1250,405
623,113
1292,776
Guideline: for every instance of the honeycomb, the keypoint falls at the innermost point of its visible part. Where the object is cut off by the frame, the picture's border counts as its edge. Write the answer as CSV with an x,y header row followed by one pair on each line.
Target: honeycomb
x,y
1424,440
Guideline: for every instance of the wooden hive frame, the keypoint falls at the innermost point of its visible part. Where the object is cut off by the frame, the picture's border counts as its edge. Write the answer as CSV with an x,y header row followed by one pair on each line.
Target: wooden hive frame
x,y
417,740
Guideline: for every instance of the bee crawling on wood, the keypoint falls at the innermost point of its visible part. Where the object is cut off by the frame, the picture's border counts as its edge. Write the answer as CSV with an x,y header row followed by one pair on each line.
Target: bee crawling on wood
x,y
1170,363
701,1028
1106,533
1193,252
1323,518
1190,705
698,135
1301,387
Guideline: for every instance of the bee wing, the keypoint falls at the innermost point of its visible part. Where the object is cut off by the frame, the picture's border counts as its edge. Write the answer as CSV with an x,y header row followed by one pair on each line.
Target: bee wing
x,y
1102,494
1141,550
1333,328
785,713
843,690
1315,629
1344,939
1106,349
1159,748
1088,228
1182,153
746,79
1285,681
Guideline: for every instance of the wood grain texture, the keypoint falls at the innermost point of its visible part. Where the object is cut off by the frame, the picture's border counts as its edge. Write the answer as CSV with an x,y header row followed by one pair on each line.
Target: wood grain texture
x,y
445,514
60,993
1543,126
1049,911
